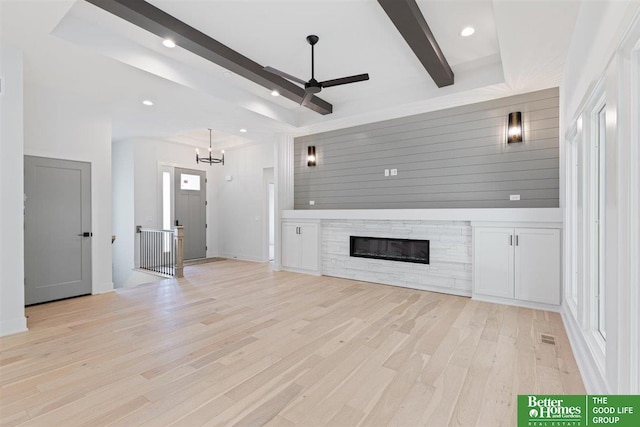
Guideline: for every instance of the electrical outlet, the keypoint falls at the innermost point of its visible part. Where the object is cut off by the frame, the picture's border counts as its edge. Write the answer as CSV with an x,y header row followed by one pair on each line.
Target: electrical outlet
x,y
394,172
312,202
514,197
386,172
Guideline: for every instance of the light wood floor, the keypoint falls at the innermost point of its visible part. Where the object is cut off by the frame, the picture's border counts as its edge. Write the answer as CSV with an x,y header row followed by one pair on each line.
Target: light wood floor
x,y
236,344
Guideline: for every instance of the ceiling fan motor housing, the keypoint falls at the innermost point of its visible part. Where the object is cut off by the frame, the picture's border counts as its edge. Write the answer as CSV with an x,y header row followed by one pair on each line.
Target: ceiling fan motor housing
x,y
313,86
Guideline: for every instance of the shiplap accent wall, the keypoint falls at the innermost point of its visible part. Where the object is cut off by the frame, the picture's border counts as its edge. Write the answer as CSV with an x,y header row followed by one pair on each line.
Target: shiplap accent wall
x,y
454,158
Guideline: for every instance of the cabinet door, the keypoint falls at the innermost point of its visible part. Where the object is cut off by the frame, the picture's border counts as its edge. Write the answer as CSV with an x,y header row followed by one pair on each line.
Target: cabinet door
x,y
290,245
537,256
309,246
493,261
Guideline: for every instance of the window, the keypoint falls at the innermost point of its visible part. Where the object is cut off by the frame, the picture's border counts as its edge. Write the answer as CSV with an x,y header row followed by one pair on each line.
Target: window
x,y
599,217
166,200
189,182
572,196
166,211
592,291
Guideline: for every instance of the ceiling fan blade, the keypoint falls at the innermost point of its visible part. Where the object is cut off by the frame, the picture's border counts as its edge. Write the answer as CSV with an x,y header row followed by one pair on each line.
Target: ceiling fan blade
x,y
285,75
345,80
306,99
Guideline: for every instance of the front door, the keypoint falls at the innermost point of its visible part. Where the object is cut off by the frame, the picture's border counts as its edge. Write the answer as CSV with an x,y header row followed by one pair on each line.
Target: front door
x,y
57,229
190,210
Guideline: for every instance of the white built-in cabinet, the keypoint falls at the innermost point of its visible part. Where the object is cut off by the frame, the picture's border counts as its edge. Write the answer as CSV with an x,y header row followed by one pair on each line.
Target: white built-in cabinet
x,y
519,264
301,246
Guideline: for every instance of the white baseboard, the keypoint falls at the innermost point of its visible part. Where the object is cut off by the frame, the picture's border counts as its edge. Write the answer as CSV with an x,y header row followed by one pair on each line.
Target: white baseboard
x,y
517,303
298,270
102,288
106,291
243,257
593,381
13,326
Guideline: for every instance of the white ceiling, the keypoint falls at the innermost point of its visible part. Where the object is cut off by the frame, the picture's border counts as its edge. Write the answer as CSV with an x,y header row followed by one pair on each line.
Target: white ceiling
x,y
518,46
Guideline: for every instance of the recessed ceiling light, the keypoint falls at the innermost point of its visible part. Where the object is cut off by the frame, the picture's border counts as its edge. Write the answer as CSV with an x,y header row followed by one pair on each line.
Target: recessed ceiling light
x,y
243,130
169,43
275,93
147,102
467,31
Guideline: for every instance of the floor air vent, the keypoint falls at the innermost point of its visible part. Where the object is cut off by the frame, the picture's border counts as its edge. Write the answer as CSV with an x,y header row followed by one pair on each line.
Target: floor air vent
x,y
548,339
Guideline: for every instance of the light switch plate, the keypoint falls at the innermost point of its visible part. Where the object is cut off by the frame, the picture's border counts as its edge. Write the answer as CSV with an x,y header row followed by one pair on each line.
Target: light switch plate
x,y
394,172
514,197
386,172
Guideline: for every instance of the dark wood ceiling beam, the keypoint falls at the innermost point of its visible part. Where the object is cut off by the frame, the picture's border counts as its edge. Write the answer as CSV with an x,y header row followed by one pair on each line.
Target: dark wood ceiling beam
x,y
408,19
160,23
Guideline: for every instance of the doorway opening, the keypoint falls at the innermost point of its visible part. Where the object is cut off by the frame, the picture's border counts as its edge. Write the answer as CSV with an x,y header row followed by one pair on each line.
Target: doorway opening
x,y
272,216
269,214
190,201
57,229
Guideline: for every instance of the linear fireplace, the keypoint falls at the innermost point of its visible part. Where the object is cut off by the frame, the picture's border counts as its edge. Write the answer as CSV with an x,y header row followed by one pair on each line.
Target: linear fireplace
x,y
405,250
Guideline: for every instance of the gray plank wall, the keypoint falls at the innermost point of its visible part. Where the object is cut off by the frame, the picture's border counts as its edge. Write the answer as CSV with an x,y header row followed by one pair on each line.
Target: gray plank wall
x,y
454,158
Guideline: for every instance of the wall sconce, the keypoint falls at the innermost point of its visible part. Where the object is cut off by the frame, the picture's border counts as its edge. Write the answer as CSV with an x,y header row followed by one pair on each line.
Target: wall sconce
x,y
311,155
514,127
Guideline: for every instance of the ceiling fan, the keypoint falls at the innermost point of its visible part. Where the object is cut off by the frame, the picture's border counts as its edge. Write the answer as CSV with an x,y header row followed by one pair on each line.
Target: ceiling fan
x,y
313,86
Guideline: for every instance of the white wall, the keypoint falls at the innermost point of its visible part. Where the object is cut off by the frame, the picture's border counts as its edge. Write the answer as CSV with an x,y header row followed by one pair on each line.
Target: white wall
x,y
137,165
60,125
600,56
598,32
236,210
12,317
284,171
241,201
48,123
123,212
150,155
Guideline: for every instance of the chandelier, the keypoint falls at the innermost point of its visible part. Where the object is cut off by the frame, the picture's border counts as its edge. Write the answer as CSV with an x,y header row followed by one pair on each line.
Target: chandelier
x,y
210,160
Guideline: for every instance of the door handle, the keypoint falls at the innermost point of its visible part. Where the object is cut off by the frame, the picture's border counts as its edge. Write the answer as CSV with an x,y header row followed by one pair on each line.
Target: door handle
x,y
86,234
516,240
510,239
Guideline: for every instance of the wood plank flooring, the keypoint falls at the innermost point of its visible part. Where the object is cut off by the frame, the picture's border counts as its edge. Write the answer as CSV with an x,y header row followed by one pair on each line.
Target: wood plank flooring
x,y
234,343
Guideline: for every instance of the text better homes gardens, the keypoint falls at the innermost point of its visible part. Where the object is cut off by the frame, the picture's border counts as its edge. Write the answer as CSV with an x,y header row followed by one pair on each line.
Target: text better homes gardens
x,y
578,410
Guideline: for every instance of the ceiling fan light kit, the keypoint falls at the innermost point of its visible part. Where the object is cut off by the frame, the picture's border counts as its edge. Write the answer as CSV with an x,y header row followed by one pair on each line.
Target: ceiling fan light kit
x,y
313,86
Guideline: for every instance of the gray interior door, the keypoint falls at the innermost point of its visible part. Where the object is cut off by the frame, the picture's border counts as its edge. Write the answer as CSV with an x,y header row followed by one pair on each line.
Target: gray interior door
x,y
190,210
57,229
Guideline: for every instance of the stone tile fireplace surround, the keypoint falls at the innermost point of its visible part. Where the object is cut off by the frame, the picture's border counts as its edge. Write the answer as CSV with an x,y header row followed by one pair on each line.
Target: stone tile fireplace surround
x,y
449,266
